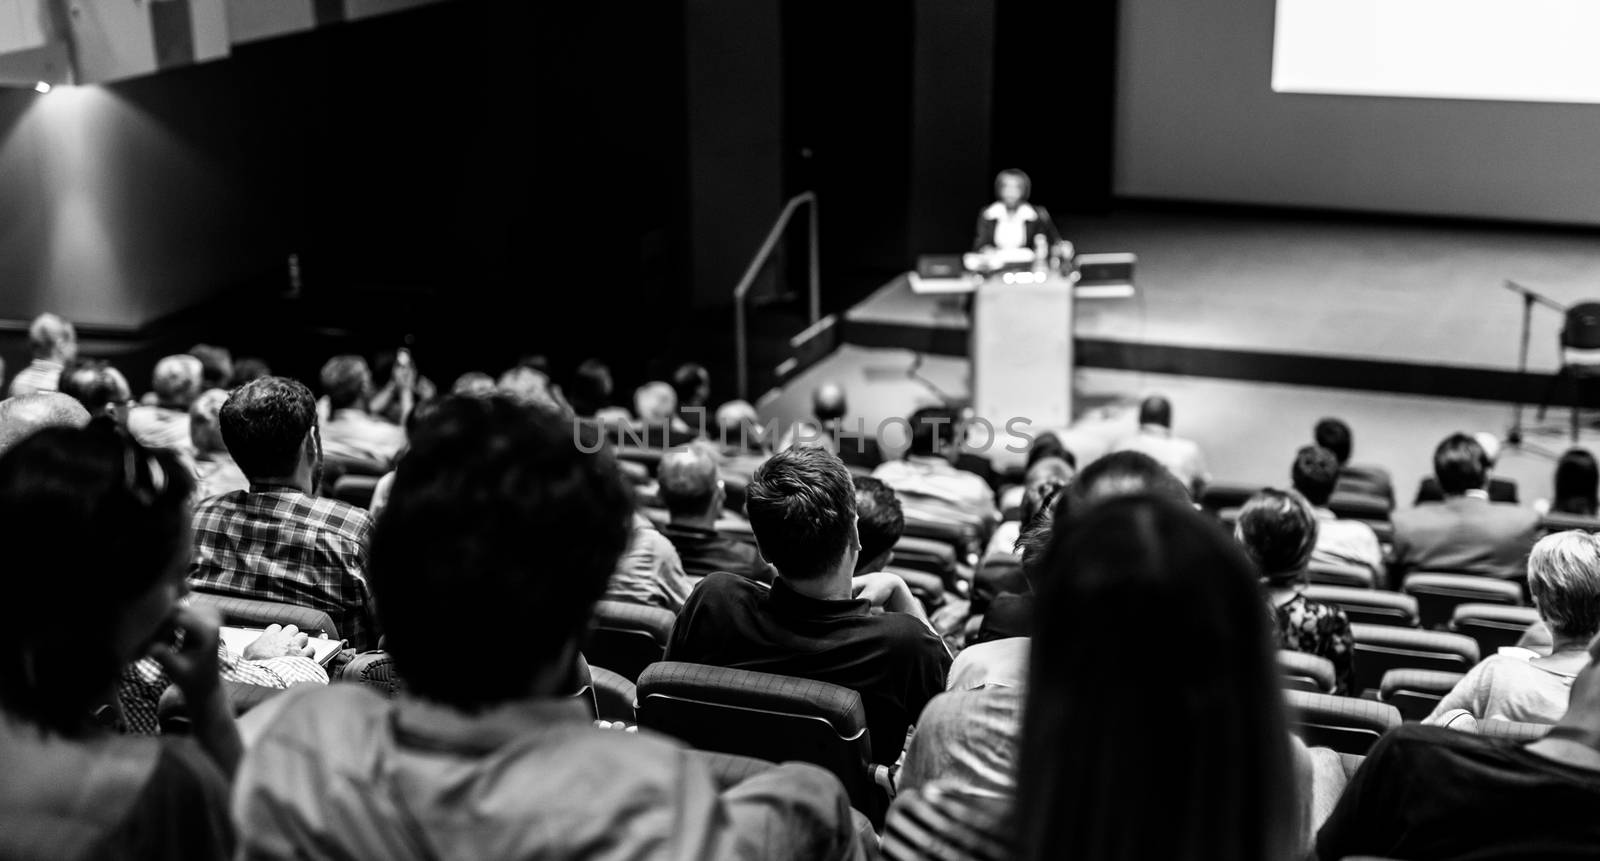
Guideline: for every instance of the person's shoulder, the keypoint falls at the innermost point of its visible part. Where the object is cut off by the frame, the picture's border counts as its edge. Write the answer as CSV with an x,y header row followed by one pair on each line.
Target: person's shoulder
x,y
906,636
320,717
723,585
334,515
997,662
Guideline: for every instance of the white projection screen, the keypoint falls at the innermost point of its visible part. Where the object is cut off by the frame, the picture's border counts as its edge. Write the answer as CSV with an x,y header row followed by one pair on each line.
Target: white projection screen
x,y
1509,50
1468,108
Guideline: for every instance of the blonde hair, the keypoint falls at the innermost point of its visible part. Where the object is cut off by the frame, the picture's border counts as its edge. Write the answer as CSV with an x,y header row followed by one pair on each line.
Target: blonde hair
x,y
1564,578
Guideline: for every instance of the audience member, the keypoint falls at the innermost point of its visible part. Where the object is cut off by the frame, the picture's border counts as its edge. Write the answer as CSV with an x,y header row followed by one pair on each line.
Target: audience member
x,y
1042,475
691,386
817,620
1155,438
693,495
879,522
499,518
1315,474
1279,532
102,389
1577,484
739,429
277,541
165,423
530,386
1519,685
968,736
25,415
54,343
1500,489
401,387
352,433
215,471
1048,444
592,391
96,542
927,480
216,365
826,426
247,369
1431,792
1335,436
1198,766
1466,533
650,572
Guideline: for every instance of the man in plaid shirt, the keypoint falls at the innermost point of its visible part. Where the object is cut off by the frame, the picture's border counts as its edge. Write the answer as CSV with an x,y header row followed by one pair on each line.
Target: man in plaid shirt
x,y
277,542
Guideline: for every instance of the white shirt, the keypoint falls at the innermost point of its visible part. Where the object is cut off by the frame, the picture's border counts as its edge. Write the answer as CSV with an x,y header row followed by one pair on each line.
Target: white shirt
x,y
1010,228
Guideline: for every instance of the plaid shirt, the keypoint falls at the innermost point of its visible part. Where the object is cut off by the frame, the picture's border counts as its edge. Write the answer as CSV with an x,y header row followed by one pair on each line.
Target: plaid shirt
x,y
278,544
139,690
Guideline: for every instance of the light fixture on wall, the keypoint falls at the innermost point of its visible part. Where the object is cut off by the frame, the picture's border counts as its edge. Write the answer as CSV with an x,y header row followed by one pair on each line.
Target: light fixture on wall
x,y
42,87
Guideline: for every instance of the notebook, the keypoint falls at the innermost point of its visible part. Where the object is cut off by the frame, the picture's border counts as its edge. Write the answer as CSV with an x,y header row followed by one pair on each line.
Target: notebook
x,y
323,650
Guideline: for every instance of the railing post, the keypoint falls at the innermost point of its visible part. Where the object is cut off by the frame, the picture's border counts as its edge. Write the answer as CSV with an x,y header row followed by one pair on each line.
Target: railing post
x,y
813,266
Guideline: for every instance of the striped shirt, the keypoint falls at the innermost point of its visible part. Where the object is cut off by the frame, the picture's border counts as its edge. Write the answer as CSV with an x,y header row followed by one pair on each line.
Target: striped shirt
x,y
274,543
139,690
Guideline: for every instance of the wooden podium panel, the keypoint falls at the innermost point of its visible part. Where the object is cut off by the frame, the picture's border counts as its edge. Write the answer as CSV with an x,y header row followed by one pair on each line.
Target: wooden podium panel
x,y
1021,360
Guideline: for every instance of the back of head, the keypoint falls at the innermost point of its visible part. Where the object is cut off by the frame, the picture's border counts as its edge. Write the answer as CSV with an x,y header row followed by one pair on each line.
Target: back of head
x,y
802,508
497,516
655,402
1123,473
1564,579
691,384
933,431
473,384
95,384
1114,766
880,521
1047,445
828,402
1315,474
687,481
1490,445
1334,435
247,369
22,417
1155,410
1577,483
1459,465
527,386
177,381
347,381
739,424
591,387
265,423
205,422
1278,530
91,523
1045,477
52,338
216,365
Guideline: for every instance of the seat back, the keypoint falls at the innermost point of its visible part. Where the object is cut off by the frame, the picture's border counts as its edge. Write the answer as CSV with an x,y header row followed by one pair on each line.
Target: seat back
x,y
626,638
1368,606
1345,724
1438,594
1381,648
938,558
1580,329
1493,625
1515,730
1221,495
1328,574
613,695
250,613
1416,692
766,716
1303,672
1359,506
1557,521
355,489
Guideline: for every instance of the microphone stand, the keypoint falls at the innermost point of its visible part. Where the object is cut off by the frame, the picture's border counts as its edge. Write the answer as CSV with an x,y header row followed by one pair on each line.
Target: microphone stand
x,y
1529,298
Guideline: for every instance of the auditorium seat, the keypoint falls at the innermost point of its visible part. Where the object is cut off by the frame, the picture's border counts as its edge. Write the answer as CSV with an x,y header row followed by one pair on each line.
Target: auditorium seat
x,y
1368,606
644,456
1223,495
355,489
1345,724
1304,672
736,528
1416,692
1556,521
960,537
1360,506
1514,730
250,613
1381,648
925,554
626,638
1354,576
613,694
1439,593
766,716
1493,625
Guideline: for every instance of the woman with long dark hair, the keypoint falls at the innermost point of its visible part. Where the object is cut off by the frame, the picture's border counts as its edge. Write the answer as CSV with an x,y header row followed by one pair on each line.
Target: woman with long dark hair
x,y
96,531
1155,721
1577,484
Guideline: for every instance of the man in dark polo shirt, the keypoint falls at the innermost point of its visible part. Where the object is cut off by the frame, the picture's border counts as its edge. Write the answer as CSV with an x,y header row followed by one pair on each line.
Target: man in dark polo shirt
x,y
817,621
1431,792
693,494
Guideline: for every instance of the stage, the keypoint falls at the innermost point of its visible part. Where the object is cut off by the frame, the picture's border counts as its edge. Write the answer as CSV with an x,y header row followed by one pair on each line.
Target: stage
x,y
1256,327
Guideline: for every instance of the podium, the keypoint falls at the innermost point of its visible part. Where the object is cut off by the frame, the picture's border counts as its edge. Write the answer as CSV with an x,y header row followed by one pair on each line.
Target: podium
x,y
1021,360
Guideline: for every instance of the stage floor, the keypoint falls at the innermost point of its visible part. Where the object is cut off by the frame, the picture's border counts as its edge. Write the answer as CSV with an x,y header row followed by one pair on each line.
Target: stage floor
x,y
1417,308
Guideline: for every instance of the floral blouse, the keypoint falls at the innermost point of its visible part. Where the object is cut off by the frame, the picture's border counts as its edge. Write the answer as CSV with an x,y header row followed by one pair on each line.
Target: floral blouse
x,y
1322,630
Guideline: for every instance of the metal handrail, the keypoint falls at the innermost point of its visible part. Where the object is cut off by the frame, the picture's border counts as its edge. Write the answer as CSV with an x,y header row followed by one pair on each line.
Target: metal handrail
x,y
757,263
